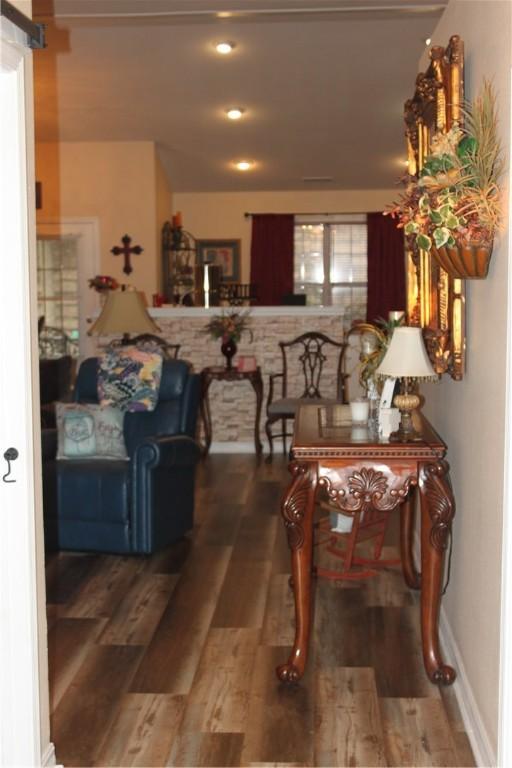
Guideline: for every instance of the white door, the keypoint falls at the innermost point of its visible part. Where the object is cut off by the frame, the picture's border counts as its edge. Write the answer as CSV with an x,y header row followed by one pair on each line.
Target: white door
x,y
24,722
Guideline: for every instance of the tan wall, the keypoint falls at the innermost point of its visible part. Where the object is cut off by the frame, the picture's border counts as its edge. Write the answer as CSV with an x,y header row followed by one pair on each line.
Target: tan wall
x,y
220,215
470,414
115,182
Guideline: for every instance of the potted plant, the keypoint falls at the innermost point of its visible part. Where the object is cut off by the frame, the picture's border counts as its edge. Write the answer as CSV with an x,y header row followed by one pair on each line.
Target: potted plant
x,y
229,326
453,208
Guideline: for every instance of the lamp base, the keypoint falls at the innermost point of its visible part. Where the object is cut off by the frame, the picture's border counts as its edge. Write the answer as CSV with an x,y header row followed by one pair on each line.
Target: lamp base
x,y
401,436
407,403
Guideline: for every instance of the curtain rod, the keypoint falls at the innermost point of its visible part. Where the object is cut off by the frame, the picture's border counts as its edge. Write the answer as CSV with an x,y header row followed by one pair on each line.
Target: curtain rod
x,y
247,214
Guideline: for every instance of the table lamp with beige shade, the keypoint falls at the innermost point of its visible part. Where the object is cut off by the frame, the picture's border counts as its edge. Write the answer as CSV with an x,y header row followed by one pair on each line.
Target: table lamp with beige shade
x,y
406,359
124,312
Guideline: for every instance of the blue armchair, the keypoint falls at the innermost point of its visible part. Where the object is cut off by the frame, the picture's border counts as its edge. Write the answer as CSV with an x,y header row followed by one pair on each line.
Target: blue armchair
x,y
135,506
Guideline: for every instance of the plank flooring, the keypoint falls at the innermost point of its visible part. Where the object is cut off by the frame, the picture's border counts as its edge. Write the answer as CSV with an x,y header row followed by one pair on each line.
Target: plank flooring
x,y
169,660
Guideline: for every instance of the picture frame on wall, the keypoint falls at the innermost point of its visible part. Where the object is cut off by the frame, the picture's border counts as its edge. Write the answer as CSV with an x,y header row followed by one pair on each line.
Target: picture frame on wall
x,y
222,253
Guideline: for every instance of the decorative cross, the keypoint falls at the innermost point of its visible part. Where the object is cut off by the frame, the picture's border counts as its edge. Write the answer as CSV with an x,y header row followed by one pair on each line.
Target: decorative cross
x,y
126,251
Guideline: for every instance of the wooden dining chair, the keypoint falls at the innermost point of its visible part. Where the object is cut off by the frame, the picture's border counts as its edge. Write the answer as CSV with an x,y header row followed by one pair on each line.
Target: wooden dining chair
x,y
312,369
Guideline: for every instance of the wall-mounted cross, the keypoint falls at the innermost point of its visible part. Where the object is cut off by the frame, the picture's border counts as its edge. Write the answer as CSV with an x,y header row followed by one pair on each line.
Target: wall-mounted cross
x,y
126,251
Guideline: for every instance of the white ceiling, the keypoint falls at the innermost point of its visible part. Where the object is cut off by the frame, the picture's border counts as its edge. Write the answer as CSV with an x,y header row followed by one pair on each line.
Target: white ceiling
x,y
323,83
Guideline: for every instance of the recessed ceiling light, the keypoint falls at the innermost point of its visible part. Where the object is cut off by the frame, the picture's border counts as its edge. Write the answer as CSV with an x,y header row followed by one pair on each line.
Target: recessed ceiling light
x,y
235,113
244,165
224,47
428,40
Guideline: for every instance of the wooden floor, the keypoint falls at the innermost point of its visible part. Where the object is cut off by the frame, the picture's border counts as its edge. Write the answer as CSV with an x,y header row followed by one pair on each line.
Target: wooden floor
x,y
169,660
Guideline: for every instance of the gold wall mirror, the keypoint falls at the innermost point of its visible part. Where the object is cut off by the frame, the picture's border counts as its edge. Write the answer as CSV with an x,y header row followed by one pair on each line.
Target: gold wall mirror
x,y
435,301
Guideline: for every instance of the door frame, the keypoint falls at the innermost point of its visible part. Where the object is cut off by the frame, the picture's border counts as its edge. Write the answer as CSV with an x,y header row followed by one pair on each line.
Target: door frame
x,y
24,697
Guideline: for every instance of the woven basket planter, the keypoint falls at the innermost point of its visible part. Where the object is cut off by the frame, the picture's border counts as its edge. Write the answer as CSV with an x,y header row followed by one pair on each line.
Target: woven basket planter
x,y
464,260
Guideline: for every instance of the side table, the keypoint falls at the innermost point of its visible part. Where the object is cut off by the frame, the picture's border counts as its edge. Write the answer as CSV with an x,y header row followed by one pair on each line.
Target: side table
x,y
365,473
230,374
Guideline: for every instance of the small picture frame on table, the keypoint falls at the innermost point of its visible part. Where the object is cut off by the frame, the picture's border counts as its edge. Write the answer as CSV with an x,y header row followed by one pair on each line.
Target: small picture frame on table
x,y
222,253
388,391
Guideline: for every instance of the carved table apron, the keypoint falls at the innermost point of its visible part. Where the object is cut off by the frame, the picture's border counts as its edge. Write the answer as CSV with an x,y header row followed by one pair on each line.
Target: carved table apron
x,y
359,475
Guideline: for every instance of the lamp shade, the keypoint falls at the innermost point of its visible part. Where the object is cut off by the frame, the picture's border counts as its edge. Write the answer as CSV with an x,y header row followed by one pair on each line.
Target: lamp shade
x,y
123,312
406,356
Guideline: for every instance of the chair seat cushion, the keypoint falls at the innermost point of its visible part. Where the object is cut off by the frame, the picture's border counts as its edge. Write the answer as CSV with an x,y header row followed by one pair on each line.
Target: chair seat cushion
x,y
288,406
93,490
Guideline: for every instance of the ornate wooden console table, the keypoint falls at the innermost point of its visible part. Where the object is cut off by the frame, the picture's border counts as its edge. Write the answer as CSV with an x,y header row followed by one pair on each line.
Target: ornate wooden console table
x,y
212,373
363,473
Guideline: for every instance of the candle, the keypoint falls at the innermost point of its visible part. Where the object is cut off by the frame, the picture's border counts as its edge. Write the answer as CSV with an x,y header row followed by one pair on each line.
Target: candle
x,y
359,410
206,286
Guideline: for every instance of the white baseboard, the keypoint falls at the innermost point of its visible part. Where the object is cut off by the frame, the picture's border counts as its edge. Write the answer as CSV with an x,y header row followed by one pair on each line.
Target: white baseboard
x,y
232,447
473,723
48,757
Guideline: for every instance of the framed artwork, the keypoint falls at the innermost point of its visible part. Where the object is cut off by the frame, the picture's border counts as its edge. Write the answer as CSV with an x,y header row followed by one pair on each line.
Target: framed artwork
x,y
223,253
435,301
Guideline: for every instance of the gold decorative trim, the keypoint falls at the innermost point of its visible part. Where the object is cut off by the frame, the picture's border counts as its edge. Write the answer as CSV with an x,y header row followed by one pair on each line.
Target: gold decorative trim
x,y
435,301
351,452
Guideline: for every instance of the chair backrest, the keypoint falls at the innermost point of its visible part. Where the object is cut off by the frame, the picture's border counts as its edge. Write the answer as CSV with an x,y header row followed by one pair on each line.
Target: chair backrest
x,y
170,351
313,359
55,378
54,343
176,410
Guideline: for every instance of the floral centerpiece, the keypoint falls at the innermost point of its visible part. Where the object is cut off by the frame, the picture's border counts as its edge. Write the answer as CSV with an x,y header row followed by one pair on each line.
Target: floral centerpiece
x,y
102,283
453,207
229,327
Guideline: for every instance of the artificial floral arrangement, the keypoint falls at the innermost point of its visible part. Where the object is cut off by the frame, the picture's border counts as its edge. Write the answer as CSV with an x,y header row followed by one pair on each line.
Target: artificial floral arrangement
x,y
455,200
229,326
102,283
375,341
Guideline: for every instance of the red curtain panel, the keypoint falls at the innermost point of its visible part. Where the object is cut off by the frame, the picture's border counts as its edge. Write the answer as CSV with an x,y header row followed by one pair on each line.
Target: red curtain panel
x,y
272,257
386,267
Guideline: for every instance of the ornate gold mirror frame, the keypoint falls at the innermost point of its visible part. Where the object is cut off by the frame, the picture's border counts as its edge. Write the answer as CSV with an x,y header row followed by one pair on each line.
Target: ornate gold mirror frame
x,y
435,301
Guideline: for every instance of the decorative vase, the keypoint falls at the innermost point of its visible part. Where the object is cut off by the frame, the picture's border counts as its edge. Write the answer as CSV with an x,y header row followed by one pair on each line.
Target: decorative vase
x,y
228,349
465,260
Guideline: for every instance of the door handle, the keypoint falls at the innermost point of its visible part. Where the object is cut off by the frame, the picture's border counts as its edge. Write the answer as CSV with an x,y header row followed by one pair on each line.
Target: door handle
x,y
11,454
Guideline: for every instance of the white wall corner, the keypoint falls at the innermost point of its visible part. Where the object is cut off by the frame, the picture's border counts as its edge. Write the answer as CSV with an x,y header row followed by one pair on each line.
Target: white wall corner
x,y
473,724
505,709
470,713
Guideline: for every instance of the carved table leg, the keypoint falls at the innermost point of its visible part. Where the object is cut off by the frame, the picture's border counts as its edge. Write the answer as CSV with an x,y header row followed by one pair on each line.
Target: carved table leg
x,y
297,511
407,515
437,511
204,410
257,385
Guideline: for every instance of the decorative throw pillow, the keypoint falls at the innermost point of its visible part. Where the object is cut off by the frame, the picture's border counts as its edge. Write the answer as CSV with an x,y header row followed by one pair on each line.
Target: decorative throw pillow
x,y
89,432
129,378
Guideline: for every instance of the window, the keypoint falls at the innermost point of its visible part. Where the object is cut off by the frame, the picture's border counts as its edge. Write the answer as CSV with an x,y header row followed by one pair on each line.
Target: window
x,y
330,263
57,285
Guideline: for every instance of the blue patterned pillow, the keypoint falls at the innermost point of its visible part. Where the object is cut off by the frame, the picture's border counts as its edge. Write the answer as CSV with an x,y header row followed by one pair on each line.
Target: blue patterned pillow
x,y
129,378
89,432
